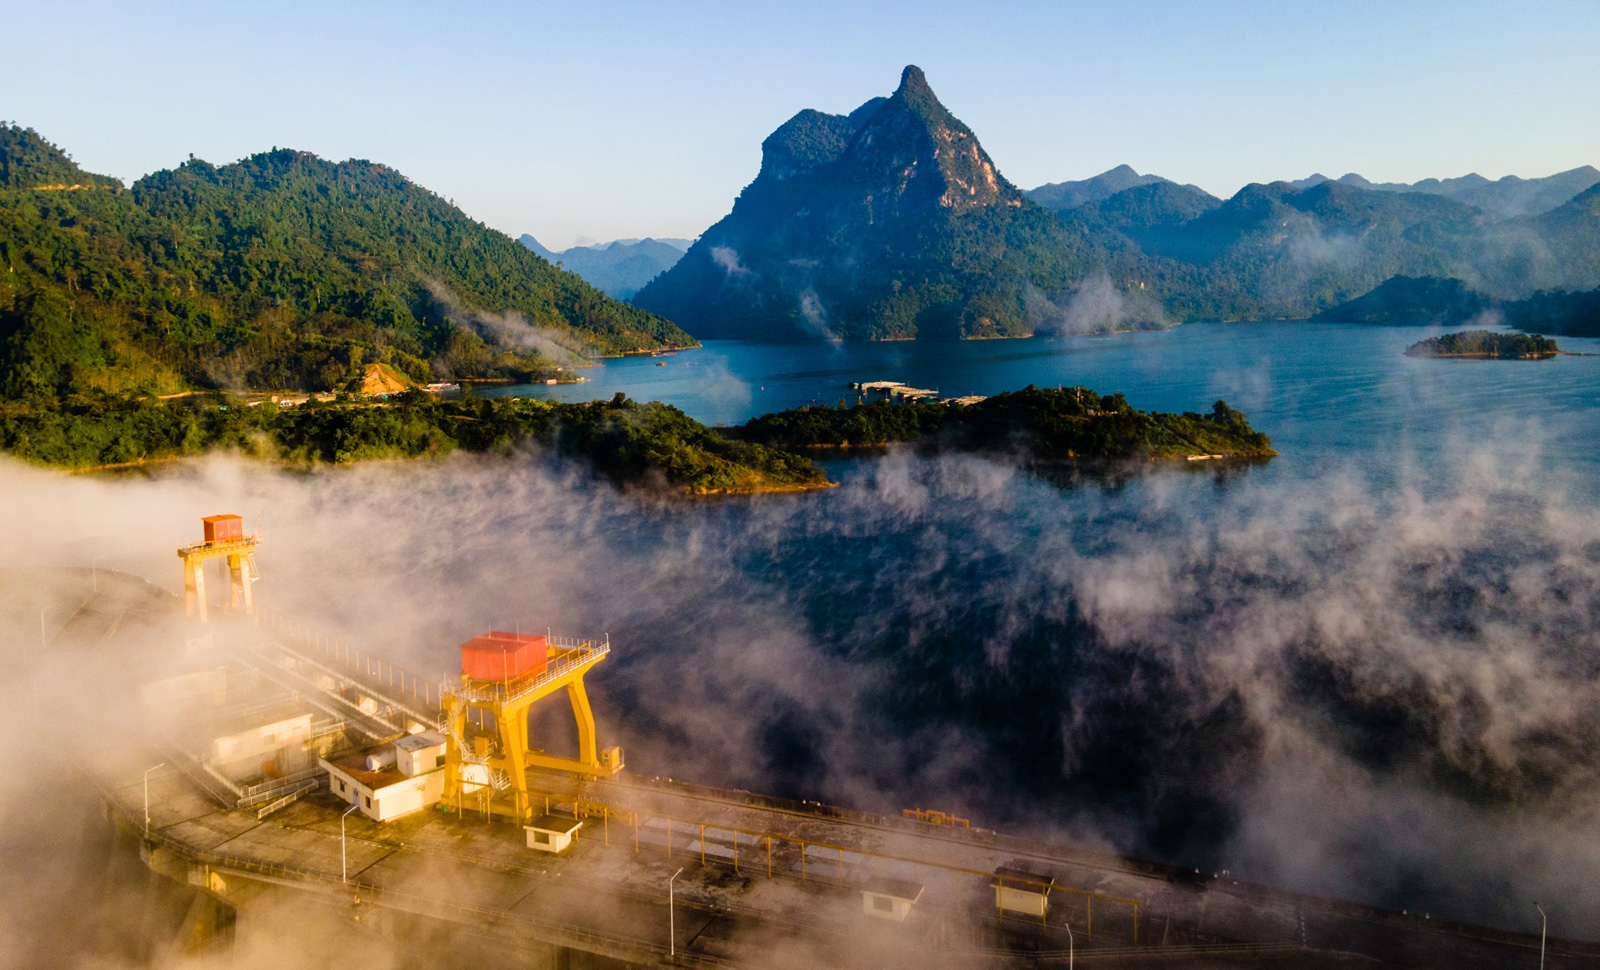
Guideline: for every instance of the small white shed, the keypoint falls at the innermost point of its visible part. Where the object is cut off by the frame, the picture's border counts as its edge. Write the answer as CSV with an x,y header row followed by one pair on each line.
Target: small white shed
x,y
890,899
551,833
1021,891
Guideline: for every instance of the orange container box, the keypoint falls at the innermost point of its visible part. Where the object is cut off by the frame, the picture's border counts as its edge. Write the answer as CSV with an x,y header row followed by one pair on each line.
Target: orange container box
x,y
223,528
503,656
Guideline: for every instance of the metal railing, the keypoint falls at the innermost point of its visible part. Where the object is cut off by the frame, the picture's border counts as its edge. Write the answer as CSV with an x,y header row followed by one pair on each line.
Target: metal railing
x,y
585,651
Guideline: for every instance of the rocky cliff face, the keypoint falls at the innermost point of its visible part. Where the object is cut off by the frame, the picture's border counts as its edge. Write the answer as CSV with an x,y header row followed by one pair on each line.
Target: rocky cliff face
x,y
891,221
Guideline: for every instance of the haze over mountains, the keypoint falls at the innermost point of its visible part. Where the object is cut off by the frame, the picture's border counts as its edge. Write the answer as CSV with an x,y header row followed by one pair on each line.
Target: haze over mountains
x,y
619,268
892,222
286,271
1507,197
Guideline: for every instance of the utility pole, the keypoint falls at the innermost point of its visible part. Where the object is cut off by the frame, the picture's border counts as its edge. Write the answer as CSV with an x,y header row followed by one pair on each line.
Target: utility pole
x,y
344,859
1544,926
672,920
147,796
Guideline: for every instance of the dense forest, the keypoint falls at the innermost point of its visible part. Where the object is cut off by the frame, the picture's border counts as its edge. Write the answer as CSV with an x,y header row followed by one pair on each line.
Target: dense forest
x,y
653,445
1485,343
1432,301
1071,424
281,271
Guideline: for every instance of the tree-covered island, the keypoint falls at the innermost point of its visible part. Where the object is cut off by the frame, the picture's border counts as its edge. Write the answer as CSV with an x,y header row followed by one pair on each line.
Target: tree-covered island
x,y
1064,424
1486,343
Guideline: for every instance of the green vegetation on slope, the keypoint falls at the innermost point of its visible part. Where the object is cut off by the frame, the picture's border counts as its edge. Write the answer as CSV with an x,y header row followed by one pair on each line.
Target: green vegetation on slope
x,y
1430,301
281,271
1485,343
1071,424
1411,301
630,443
1569,314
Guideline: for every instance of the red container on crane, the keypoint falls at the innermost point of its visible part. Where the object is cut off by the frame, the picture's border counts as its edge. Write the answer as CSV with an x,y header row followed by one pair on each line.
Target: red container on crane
x,y
503,656
223,528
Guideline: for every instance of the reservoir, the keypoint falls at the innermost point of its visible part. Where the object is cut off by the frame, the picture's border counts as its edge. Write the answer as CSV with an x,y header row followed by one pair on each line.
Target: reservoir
x,y
1331,396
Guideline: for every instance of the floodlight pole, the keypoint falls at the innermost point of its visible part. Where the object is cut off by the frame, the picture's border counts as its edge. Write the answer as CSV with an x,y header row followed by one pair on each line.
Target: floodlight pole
x,y
344,859
672,919
1070,947
147,796
1544,926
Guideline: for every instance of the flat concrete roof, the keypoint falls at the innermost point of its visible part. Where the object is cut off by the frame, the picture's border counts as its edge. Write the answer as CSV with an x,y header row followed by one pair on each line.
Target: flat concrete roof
x,y
560,824
1026,880
416,742
898,888
355,765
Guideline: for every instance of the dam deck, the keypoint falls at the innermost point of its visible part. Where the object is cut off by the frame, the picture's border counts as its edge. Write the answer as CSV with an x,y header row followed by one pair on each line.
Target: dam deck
x,y
761,882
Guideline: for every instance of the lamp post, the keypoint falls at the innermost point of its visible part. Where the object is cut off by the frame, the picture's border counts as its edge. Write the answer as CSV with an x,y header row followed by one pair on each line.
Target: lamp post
x,y
672,920
1544,925
344,859
147,796
44,638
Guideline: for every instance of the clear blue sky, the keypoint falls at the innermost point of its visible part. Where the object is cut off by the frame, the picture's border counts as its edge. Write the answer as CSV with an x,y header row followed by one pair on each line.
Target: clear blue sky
x,y
608,118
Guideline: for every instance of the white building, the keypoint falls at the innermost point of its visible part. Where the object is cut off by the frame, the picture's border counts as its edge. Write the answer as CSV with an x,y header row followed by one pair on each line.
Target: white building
x,y
551,833
276,748
1020,891
890,899
391,779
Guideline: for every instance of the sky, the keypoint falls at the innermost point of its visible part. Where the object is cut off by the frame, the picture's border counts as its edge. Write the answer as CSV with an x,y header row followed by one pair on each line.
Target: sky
x,y
613,118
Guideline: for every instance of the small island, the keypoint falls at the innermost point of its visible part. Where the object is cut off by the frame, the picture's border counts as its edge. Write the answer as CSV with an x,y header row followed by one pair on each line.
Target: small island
x,y
1486,343
1050,425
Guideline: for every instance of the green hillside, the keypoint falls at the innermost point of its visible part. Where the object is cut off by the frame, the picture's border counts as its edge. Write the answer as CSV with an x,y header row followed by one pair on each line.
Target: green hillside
x,y
281,271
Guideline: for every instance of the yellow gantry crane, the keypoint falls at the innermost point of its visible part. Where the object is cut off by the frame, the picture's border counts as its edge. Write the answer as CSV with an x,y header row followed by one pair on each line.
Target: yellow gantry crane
x,y
502,676
225,538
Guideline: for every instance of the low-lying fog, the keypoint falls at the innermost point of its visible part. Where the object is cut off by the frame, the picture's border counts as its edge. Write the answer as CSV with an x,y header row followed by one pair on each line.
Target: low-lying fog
x,y
1389,697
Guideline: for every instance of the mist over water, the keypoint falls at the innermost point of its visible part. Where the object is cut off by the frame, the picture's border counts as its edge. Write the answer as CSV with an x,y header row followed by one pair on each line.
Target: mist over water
x,y
1374,677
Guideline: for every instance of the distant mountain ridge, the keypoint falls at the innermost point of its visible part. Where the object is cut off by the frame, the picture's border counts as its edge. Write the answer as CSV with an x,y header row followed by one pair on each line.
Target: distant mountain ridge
x,y
1070,195
1508,197
619,268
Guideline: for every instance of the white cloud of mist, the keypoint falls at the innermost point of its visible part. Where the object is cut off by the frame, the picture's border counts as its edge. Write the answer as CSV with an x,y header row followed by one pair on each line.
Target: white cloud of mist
x,y
512,328
1390,695
727,258
1097,306
815,316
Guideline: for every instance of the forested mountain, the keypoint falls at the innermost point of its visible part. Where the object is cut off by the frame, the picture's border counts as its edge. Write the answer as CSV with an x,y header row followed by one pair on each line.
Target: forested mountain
x,y
889,222
892,222
1070,195
618,269
1412,301
282,270
1430,301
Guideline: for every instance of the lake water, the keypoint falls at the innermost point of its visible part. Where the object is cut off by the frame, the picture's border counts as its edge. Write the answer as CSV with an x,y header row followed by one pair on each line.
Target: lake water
x,y
1329,395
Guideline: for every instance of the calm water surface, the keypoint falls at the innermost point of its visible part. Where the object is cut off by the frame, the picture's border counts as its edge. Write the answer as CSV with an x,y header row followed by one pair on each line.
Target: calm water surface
x,y
1329,394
